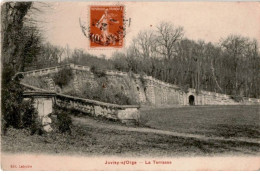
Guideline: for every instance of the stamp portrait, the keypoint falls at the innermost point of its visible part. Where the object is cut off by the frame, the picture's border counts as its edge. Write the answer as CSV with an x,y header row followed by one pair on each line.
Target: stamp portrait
x,y
106,26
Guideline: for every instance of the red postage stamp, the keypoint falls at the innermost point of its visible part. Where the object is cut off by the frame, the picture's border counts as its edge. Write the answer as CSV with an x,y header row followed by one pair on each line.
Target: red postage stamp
x,y
106,26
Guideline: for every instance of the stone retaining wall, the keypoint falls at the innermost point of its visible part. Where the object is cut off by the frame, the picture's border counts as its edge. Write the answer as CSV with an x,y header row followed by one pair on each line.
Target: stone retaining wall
x,y
153,91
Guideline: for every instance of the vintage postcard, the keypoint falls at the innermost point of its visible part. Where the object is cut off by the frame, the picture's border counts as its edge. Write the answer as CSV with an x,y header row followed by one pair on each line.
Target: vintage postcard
x,y
137,86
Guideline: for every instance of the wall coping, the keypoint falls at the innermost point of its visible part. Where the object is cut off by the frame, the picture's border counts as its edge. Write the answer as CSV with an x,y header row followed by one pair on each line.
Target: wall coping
x,y
97,102
38,94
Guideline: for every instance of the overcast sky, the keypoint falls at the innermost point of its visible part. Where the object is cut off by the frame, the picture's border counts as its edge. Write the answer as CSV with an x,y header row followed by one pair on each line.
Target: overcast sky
x,y
209,21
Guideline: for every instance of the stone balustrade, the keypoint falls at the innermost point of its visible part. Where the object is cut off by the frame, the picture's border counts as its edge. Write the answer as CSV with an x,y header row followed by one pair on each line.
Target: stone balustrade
x,y
123,113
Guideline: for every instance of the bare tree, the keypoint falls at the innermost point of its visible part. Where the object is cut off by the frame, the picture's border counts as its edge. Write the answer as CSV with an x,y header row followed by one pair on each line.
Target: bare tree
x,y
167,37
145,43
50,55
231,67
234,47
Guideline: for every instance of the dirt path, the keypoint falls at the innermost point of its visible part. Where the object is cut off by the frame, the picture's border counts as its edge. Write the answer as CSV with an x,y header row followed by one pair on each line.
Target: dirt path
x,y
100,124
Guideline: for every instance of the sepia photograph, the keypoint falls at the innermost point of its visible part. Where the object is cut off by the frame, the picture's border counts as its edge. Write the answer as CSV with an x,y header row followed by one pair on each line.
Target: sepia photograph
x,y
136,86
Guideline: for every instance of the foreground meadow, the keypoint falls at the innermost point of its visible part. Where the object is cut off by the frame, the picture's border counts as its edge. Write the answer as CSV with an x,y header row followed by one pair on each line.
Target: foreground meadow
x,y
239,121
95,136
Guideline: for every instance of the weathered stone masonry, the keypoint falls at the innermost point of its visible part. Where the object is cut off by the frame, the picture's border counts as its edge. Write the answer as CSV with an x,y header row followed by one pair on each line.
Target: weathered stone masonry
x,y
44,104
149,90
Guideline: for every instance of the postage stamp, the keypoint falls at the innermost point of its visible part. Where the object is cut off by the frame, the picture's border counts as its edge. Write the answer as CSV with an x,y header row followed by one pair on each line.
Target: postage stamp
x,y
106,26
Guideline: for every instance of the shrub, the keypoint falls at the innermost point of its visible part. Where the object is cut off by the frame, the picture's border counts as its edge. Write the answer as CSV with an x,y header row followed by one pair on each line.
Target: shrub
x,y
106,94
12,98
120,98
97,72
28,114
36,126
63,77
236,98
121,64
143,81
64,122
11,105
16,112
184,88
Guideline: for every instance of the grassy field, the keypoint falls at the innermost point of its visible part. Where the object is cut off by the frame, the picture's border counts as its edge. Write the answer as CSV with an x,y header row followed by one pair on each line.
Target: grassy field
x,y
93,140
222,121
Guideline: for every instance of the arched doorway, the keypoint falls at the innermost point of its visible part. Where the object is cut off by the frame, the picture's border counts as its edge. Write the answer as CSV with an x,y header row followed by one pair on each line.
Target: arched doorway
x,y
191,100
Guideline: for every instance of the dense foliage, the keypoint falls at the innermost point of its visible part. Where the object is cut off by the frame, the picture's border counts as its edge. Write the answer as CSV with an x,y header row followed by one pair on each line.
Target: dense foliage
x,y
16,112
63,122
107,94
63,77
230,66
103,91
20,45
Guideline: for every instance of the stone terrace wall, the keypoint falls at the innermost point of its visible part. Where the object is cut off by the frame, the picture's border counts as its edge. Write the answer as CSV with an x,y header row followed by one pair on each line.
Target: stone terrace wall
x,y
152,91
123,113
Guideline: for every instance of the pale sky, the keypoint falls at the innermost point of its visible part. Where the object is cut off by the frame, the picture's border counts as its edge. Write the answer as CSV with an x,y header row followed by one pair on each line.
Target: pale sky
x,y
208,21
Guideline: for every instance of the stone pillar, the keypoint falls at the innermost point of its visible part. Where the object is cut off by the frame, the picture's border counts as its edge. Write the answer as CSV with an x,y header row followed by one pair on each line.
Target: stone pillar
x,y
44,107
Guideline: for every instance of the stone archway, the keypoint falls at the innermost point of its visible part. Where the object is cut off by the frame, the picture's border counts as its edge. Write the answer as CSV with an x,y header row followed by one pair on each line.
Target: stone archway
x,y
191,100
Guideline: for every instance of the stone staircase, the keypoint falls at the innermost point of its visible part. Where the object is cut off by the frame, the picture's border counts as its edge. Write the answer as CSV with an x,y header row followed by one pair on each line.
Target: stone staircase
x,y
50,83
